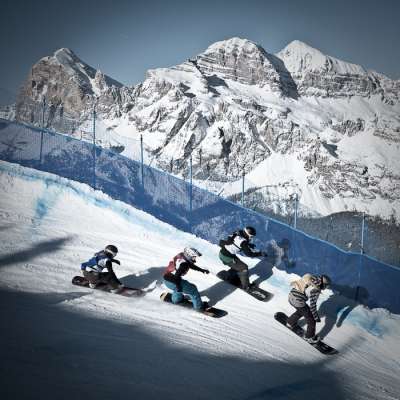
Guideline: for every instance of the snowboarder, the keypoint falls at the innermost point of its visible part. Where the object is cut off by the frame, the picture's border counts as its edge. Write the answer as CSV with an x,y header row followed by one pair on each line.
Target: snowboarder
x,y
101,260
178,267
236,243
308,288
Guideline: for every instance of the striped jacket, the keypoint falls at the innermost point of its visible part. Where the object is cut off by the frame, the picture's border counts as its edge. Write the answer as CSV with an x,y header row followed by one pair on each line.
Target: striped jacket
x,y
306,289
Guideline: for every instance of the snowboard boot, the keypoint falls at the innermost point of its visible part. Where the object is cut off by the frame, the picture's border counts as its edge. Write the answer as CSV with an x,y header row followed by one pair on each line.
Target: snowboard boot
x,y
313,340
118,289
203,307
292,327
233,278
244,280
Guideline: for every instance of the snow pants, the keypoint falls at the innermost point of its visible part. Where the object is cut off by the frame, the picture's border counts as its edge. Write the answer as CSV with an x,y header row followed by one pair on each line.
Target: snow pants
x,y
108,278
238,269
306,313
187,288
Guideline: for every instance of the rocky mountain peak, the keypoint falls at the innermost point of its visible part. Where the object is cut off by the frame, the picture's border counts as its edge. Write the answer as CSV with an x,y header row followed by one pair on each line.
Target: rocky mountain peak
x,y
239,60
320,75
235,45
299,57
65,56
67,85
244,61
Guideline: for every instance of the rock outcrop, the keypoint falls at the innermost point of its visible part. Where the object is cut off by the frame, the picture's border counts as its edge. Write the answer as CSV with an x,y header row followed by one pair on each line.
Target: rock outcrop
x,y
235,107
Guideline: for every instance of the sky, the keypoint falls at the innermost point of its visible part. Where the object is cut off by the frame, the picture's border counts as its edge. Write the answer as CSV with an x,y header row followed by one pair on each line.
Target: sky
x,y
125,38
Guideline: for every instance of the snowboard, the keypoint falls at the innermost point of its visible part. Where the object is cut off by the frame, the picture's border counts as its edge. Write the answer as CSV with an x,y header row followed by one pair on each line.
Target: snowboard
x,y
209,311
126,291
299,331
255,291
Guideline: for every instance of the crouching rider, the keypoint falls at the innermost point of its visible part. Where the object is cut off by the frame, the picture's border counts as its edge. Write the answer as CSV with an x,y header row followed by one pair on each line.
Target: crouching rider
x,y
307,289
178,267
93,269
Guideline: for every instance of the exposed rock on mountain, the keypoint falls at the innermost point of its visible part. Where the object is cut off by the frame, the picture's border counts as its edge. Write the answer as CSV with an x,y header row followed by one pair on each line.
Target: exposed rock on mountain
x,y
317,74
69,88
245,62
322,128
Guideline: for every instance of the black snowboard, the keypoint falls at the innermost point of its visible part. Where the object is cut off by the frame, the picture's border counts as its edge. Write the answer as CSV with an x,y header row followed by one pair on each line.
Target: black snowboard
x,y
210,311
320,346
126,291
255,291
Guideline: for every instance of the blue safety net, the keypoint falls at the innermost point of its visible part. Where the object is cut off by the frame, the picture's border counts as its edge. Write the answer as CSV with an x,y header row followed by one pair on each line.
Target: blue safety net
x,y
198,211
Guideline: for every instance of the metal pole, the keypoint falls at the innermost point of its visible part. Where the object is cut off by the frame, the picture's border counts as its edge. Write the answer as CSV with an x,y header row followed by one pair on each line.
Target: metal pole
x,y
94,146
362,233
141,160
243,174
361,255
296,199
43,111
41,132
191,181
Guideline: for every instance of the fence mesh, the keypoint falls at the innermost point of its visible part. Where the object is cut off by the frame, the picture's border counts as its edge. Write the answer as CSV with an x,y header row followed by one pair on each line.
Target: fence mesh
x,y
195,210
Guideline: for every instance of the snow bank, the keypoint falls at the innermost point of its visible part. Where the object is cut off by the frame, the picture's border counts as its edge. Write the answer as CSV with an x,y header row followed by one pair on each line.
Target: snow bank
x,y
62,338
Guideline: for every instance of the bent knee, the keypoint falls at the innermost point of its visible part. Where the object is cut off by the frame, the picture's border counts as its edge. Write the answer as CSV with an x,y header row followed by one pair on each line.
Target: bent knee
x,y
190,287
240,267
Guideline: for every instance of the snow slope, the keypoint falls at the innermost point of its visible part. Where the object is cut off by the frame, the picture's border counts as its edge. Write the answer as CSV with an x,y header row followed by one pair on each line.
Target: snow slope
x,y
299,57
62,341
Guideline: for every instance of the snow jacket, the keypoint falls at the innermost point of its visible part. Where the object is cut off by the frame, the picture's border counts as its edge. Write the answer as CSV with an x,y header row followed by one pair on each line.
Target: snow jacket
x,y
238,243
100,261
306,289
178,267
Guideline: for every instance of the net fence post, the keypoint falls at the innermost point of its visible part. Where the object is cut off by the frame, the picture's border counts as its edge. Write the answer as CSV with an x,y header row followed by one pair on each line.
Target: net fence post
x,y
243,175
94,146
141,161
361,256
191,183
42,130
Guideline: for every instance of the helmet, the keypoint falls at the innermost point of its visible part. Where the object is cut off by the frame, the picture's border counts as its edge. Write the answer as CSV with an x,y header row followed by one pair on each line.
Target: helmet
x,y
191,253
325,281
316,280
111,250
250,231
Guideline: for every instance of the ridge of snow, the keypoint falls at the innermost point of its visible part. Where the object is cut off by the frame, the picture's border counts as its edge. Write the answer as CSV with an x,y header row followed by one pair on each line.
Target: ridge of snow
x,y
73,65
300,57
233,44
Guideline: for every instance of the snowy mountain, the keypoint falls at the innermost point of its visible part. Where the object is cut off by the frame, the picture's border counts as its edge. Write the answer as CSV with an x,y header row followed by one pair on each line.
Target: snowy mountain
x,y
65,342
69,87
317,74
298,122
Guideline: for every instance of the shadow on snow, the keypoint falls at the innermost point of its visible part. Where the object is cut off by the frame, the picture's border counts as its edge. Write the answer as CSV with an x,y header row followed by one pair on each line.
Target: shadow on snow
x,y
55,353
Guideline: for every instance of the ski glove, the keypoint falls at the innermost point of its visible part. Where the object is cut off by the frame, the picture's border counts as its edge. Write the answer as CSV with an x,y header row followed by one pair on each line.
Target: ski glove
x,y
317,319
205,271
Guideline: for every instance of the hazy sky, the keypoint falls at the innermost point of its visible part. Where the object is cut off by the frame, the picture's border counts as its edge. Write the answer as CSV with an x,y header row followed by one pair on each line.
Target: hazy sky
x,y
125,38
